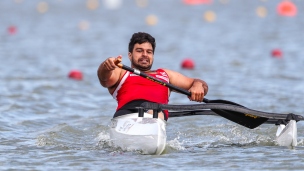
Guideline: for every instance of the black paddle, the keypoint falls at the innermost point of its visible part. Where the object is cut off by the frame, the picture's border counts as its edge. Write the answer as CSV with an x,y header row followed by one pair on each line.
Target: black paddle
x,y
202,109
246,119
274,120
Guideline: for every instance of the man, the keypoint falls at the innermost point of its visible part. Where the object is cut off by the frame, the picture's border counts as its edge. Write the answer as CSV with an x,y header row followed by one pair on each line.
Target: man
x,y
131,90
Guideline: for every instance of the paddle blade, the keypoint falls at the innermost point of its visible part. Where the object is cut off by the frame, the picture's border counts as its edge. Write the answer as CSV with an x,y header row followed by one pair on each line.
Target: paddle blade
x,y
246,120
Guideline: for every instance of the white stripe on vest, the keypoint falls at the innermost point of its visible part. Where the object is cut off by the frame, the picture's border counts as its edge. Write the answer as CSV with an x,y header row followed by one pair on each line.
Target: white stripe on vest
x,y
120,84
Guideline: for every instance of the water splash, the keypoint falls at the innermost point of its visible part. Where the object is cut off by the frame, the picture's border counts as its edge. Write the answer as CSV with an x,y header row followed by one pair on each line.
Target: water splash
x,y
103,139
174,145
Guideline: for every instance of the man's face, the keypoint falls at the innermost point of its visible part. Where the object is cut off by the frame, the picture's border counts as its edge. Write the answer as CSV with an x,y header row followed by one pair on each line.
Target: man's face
x,y
142,56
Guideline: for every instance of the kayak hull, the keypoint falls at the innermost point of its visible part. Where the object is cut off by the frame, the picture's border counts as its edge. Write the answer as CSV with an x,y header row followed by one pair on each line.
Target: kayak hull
x,y
287,135
144,134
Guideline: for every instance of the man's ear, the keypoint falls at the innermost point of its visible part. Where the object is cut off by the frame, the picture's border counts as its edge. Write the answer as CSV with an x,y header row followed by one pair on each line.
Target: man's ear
x,y
130,55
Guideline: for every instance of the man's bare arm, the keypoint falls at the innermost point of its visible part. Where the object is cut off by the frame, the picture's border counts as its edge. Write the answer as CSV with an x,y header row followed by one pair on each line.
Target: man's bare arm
x,y
197,87
108,73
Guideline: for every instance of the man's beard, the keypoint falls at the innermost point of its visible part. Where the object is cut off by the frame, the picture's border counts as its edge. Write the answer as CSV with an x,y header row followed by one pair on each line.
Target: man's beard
x,y
139,67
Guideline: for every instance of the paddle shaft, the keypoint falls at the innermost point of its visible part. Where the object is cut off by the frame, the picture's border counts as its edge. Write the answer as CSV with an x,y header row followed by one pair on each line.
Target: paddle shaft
x,y
137,72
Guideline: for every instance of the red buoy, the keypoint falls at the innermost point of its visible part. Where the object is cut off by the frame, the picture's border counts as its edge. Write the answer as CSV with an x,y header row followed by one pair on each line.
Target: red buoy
x,y
277,53
187,64
197,2
12,30
287,8
75,74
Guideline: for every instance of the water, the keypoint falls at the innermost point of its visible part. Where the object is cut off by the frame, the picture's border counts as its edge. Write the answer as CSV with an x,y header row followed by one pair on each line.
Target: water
x,y
50,122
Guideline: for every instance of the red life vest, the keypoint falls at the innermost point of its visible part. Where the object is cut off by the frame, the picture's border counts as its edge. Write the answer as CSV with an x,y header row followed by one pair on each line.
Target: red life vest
x,y
133,87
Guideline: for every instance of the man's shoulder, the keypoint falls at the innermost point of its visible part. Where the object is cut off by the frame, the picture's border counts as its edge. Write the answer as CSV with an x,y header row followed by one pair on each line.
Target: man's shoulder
x,y
163,69
168,71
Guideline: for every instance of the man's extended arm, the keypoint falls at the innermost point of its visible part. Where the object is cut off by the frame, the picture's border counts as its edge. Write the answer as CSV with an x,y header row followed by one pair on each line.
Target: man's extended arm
x,y
108,73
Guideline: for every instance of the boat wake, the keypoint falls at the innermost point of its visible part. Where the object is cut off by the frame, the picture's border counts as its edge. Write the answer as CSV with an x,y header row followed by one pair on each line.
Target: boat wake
x,y
70,136
221,135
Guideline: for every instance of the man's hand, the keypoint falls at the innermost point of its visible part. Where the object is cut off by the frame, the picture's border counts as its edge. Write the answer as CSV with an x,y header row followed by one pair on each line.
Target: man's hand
x,y
111,63
108,72
197,91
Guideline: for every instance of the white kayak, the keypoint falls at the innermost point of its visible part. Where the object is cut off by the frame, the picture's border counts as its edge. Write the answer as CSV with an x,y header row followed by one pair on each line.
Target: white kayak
x,y
144,134
287,135
148,135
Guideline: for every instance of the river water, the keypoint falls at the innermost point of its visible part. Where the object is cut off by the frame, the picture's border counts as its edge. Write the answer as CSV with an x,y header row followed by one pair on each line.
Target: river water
x,y
51,122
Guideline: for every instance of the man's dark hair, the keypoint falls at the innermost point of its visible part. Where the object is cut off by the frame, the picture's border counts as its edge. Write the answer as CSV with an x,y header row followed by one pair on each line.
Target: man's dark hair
x,y
140,38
